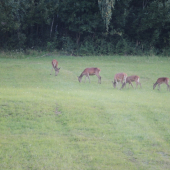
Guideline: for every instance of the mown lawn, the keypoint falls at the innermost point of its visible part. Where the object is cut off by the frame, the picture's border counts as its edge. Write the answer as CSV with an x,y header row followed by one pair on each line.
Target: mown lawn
x,y
55,122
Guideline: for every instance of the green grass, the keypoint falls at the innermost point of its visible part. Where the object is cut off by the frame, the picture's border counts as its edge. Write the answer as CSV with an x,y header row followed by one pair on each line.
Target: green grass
x,y
55,122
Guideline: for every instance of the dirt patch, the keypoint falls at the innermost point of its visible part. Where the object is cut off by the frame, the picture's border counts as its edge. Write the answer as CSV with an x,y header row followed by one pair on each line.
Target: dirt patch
x,y
56,111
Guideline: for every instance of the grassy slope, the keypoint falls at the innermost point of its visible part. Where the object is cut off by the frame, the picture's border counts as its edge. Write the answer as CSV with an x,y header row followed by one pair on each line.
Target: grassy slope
x,y
49,122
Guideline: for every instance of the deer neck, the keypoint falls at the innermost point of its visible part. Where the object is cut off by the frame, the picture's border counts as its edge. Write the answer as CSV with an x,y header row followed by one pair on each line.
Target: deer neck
x,y
81,76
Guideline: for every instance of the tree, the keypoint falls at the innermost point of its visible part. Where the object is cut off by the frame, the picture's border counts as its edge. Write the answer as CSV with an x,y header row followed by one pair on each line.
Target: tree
x,y
106,7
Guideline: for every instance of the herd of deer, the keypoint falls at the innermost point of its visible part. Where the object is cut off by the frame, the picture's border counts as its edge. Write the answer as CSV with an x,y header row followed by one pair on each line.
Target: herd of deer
x,y
118,78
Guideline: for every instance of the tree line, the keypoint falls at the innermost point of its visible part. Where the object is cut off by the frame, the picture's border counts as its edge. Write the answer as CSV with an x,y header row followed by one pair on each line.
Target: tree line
x,y
87,27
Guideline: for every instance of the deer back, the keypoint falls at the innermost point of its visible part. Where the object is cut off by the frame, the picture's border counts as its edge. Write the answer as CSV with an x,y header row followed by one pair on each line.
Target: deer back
x,y
120,76
91,71
162,80
54,63
132,78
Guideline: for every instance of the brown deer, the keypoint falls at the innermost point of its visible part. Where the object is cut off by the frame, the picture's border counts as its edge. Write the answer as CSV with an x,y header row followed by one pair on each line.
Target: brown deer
x,y
160,81
54,66
131,79
119,77
89,72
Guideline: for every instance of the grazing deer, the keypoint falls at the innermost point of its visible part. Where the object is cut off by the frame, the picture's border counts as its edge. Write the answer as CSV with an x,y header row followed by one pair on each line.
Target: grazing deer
x,y
119,77
160,81
89,72
131,79
54,66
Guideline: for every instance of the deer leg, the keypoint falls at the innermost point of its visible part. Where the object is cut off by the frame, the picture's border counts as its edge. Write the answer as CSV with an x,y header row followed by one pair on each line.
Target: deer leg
x,y
158,86
131,84
99,78
88,78
125,79
116,83
123,85
140,85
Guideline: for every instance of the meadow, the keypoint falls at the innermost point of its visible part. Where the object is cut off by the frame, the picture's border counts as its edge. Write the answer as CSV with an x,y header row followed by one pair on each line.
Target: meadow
x,y
54,122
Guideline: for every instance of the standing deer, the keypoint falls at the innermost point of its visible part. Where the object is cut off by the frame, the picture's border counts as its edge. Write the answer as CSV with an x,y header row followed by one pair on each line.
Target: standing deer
x,y
131,79
119,77
160,81
89,72
54,66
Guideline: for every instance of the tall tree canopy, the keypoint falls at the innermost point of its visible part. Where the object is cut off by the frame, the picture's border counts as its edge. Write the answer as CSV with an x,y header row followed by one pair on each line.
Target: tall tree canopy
x,y
87,26
105,7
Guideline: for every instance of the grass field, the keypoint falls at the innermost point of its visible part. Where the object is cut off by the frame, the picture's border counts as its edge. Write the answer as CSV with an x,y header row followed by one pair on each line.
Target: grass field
x,y
54,122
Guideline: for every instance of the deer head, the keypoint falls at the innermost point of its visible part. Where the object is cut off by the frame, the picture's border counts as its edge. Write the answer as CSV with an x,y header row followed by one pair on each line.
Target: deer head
x,y
79,79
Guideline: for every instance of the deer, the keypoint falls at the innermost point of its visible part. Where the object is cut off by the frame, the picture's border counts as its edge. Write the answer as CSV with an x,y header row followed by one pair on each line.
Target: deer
x,y
160,81
54,66
89,72
131,79
119,77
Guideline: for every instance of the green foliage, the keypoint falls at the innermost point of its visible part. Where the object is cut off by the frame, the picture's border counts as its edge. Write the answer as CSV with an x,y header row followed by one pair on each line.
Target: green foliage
x,y
97,46
106,7
69,46
87,48
86,27
149,24
166,52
